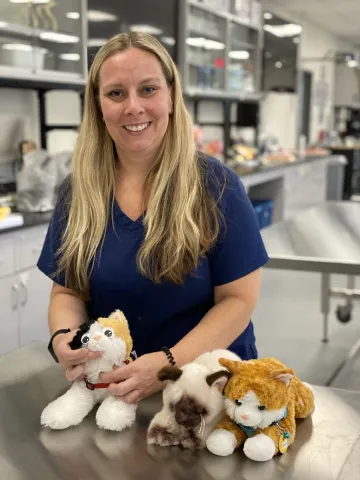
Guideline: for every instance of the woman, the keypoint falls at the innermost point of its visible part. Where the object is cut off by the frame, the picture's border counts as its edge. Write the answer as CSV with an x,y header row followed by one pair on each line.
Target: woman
x,y
148,226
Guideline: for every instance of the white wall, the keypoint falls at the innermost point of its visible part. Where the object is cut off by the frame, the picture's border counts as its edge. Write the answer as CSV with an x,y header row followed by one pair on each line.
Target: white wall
x,y
317,49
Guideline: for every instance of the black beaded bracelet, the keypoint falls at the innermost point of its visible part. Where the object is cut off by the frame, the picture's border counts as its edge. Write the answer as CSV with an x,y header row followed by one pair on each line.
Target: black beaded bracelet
x,y
169,355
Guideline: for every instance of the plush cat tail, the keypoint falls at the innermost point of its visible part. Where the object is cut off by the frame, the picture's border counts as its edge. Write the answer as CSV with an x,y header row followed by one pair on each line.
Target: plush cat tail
x,y
218,379
231,365
169,373
118,315
285,375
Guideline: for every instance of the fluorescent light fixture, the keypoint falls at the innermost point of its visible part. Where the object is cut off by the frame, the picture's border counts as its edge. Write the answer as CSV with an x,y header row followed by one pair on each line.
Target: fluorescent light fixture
x,y
168,40
100,16
31,1
58,37
74,57
3,24
96,42
202,42
278,64
285,30
146,29
23,47
268,16
353,64
239,55
73,15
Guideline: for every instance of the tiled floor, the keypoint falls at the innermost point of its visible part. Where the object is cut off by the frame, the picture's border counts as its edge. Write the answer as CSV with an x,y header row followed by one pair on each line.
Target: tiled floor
x,y
288,325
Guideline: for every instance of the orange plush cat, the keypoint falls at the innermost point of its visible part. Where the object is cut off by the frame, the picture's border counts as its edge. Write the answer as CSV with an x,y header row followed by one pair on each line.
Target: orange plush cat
x,y
262,400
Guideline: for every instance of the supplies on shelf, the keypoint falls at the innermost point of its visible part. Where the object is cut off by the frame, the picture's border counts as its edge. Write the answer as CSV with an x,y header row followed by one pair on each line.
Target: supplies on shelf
x,y
214,148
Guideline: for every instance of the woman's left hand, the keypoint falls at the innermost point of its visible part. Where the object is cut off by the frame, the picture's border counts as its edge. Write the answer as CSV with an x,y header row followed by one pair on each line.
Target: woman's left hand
x,y
137,380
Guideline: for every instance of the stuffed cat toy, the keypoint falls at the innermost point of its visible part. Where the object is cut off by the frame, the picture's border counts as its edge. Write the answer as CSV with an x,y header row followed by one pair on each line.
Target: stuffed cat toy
x,y
111,336
262,400
192,402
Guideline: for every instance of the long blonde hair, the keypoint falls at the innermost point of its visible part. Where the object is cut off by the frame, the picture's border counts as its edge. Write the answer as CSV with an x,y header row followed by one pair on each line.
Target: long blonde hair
x,y
182,219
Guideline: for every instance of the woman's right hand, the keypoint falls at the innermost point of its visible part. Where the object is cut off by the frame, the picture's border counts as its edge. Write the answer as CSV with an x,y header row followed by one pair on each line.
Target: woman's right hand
x,y
72,360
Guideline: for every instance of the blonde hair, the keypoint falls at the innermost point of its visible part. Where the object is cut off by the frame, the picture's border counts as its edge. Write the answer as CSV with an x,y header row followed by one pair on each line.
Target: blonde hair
x,y
182,219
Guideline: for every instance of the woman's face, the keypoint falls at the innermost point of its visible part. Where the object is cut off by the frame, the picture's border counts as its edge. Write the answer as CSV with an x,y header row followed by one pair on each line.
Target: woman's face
x,y
135,101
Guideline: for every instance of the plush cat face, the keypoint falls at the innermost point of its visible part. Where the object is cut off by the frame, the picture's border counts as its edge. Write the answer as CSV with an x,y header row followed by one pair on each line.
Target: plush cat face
x,y
193,394
109,335
258,391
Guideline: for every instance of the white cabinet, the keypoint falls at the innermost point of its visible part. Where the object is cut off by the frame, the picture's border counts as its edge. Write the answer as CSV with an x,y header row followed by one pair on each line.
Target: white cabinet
x,y
304,186
34,301
9,316
24,290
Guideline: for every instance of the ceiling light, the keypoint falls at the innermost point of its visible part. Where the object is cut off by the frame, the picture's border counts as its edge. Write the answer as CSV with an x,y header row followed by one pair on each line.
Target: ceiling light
x,y
96,42
100,16
278,65
286,30
168,40
146,29
268,16
239,55
23,47
3,24
353,64
74,57
73,15
58,37
29,1
202,42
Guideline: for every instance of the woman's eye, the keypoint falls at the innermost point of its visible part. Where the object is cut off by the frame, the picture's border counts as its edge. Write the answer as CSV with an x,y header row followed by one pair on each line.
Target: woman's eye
x,y
115,94
262,407
85,339
149,90
108,332
238,403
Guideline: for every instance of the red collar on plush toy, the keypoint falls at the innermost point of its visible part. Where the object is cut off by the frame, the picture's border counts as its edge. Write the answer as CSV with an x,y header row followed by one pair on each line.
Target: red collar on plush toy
x,y
92,386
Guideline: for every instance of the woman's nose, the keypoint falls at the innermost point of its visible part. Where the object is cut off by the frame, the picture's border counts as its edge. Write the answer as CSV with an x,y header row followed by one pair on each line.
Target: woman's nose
x,y
133,105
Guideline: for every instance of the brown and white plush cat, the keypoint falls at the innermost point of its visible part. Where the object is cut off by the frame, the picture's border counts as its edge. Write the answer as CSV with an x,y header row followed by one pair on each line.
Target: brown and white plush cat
x,y
262,400
192,402
112,337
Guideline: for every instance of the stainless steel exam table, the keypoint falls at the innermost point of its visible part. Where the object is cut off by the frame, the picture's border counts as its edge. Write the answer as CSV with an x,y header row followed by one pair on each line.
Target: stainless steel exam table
x,y
327,445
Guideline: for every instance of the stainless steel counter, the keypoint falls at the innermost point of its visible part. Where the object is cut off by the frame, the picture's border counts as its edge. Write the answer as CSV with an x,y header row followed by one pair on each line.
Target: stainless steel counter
x,y
323,239
327,445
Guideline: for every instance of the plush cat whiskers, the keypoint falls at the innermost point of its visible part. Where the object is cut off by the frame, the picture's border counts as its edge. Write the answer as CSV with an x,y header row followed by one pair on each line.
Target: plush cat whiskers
x,y
112,337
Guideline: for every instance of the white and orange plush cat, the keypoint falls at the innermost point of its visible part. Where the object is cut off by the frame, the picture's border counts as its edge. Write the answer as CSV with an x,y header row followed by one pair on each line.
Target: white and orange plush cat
x,y
262,400
112,337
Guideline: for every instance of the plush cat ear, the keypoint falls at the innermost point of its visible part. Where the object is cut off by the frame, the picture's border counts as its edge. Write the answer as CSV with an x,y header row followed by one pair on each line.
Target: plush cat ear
x,y
231,365
118,315
285,375
169,373
218,379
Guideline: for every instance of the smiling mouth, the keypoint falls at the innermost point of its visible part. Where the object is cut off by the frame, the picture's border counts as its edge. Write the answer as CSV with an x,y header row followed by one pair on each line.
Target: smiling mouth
x,y
137,128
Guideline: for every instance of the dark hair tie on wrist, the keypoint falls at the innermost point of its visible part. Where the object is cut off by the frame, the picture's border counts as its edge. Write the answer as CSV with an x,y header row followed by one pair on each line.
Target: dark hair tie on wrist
x,y
169,355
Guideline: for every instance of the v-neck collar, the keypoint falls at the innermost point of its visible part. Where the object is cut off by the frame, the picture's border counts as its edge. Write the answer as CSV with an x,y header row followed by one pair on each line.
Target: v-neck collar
x,y
126,221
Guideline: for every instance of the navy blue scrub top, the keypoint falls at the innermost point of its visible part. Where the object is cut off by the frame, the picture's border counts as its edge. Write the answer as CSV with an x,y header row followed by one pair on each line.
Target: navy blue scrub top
x,y
161,315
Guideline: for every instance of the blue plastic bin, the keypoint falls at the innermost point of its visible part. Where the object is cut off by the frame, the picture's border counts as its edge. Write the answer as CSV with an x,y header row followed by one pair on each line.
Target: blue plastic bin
x,y
264,212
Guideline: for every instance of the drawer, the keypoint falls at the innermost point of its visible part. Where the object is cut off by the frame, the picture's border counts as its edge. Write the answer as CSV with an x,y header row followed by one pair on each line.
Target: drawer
x,y
30,243
7,255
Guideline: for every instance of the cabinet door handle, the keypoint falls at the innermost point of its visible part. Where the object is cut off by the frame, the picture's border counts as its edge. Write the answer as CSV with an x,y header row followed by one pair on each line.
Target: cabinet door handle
x,y
25,293
15,296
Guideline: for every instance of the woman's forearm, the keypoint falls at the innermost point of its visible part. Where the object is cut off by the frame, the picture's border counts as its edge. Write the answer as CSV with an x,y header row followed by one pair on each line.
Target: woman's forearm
x,y
66,310
218,329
